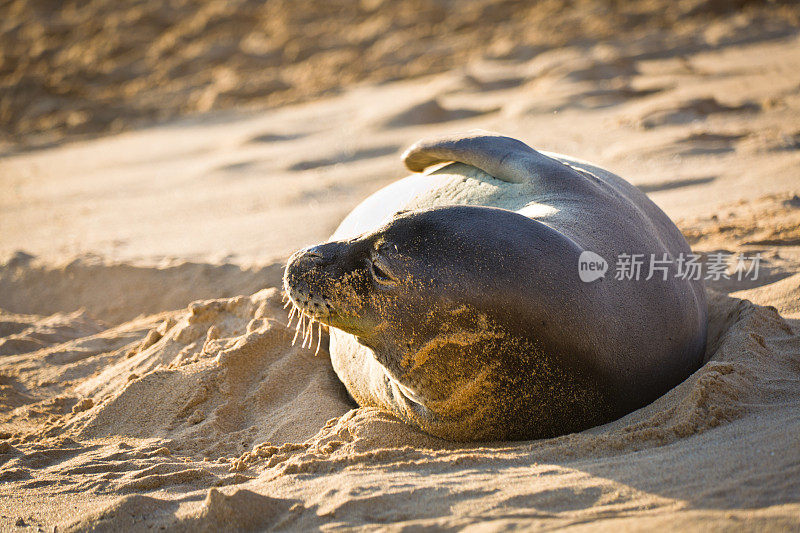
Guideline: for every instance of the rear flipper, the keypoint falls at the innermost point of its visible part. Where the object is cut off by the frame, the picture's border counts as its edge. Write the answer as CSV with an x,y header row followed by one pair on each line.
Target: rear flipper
x,y
502,157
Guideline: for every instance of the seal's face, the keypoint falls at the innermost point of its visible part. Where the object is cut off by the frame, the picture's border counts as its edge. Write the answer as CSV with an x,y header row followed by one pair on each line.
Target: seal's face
x,y
380,287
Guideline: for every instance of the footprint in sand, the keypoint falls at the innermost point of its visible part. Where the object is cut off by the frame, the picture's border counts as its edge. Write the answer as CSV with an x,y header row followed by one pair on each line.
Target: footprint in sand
x,y
690,111
240,166
674,184
560,500
596,99
707,143
273,138
431,112
608,70
488,85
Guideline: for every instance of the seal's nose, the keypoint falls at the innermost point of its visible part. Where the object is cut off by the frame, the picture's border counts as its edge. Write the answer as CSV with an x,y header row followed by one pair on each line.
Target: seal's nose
x,y
301,262
307,264
314,251
320,254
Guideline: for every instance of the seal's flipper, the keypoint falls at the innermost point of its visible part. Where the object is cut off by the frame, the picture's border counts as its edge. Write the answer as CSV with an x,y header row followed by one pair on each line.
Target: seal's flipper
x,y
504,158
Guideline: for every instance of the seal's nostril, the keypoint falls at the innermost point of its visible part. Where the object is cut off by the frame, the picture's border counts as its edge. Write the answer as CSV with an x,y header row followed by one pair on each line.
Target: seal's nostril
x,y
313,251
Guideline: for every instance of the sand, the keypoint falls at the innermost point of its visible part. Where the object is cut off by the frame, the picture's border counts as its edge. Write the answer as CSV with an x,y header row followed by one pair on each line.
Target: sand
x,y
79,69
148,377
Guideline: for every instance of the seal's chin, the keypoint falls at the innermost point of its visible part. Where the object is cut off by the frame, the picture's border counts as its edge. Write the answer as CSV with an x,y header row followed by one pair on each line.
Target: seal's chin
x,y
311,304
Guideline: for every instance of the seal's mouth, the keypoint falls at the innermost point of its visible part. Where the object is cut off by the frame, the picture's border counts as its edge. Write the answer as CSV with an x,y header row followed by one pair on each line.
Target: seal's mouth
x,y
307,325
314,305
310,307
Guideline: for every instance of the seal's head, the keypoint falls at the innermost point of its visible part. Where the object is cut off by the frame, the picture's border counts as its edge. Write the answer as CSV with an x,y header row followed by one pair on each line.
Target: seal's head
x,y
437,297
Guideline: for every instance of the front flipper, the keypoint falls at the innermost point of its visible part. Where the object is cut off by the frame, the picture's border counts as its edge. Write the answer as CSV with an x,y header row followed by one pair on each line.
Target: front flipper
x,y
502,157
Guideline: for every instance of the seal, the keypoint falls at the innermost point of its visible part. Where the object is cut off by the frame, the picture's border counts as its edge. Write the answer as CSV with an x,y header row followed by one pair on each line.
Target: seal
x,y
454,297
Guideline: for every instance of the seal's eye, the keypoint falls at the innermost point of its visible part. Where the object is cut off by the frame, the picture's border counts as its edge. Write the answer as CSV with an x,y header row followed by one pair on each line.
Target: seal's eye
x,y
380,272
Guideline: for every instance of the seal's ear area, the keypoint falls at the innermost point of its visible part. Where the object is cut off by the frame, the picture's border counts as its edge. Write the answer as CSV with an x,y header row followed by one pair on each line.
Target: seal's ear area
x,y
504,158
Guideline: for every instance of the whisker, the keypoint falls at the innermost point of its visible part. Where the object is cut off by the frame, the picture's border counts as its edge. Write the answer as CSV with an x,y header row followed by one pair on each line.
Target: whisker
x,y
287,304
297,329
319,339
308,333
291,316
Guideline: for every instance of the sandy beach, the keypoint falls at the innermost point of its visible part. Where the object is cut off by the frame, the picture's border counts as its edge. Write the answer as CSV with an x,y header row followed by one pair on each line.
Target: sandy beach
x,y
147,373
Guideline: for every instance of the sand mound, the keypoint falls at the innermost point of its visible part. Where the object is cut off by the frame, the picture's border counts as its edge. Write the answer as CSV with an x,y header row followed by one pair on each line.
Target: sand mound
x,y
783,294
216,395
216,380
243,510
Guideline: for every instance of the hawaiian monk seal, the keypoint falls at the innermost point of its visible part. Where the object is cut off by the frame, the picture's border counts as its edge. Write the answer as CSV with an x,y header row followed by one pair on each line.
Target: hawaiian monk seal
x,y
453,298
